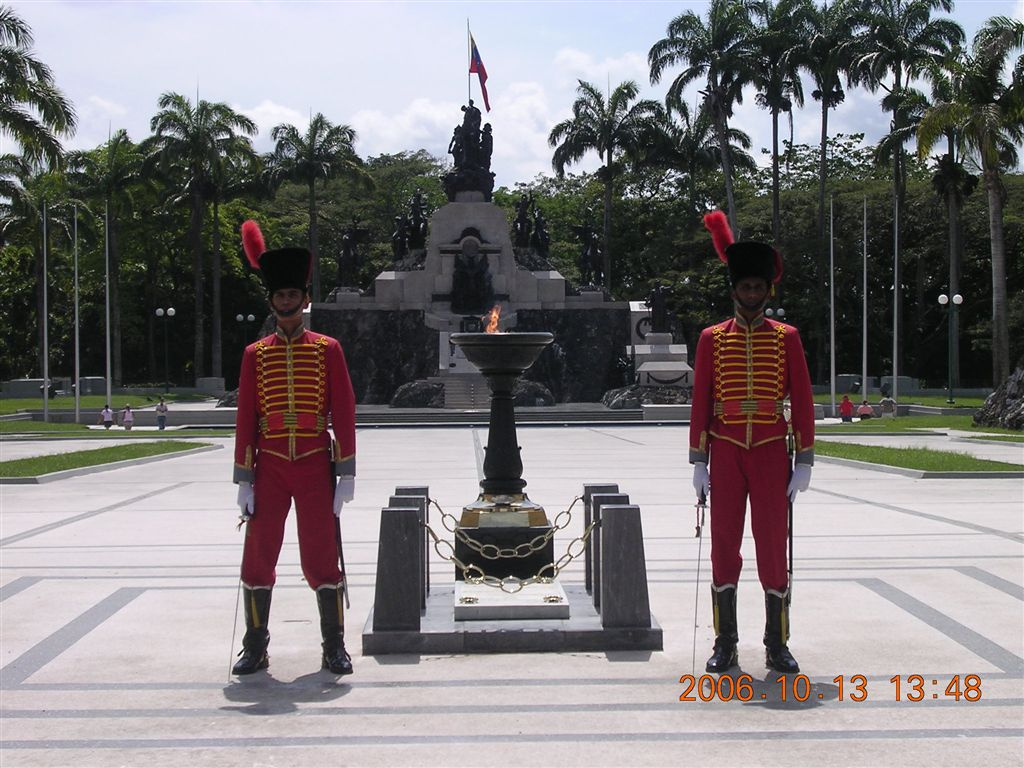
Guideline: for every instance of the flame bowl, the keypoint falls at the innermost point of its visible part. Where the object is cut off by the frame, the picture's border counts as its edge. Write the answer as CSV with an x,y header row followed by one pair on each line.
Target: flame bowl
x,y
502,353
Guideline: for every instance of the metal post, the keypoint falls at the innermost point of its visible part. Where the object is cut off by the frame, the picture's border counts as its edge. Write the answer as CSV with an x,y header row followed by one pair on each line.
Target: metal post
x,y
167,368
951,303
166,314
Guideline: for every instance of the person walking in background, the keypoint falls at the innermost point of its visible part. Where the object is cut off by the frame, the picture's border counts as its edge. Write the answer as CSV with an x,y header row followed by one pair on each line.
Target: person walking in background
x,y
161,414
292,385
127,418
106,417
887,406
846,409
745,369
865,411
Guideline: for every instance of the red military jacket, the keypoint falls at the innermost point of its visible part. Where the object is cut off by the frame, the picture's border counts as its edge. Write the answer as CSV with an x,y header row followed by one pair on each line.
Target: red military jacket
x,y
289,390
742,375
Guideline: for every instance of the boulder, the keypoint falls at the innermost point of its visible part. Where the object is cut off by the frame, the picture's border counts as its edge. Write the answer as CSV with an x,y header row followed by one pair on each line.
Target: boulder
x,y
419,394
632,397
1005,407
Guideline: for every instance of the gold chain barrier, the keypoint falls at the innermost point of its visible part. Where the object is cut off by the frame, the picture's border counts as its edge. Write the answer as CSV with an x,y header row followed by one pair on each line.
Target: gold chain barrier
x,y
474,574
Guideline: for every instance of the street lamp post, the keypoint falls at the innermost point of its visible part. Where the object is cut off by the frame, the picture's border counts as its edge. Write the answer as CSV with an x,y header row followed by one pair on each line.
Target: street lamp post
x,y
166,314
243,322
952,304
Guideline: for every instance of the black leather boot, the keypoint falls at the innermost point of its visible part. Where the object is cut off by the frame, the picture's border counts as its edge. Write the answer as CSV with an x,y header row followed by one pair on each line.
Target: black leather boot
x,y
332,629
776,634
723,600
254,644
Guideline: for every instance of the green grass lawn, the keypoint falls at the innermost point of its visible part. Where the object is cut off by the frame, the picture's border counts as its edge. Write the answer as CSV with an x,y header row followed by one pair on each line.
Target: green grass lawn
x,y
999,438
938,401
905,423
92,403
924,459
43,465
41,430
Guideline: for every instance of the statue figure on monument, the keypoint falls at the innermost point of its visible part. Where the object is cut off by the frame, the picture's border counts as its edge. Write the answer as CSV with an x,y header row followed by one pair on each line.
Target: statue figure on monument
x,y
348,259
456,147
657,303
472,151
417,237
590,264
540,239
471,120
400,238
486,147
472,289
521,226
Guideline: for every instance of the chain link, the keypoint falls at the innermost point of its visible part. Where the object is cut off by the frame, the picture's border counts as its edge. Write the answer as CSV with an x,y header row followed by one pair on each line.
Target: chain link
x,y
474,574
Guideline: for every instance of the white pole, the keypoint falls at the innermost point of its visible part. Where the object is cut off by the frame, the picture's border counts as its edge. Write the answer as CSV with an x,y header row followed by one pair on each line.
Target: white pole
x,y
895,297
106,261
832,303
864,312
77,384
46,329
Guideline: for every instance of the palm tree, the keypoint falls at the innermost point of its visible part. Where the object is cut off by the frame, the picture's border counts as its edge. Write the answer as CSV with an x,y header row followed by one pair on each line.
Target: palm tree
x,y
901,39
188,143
721,52
986,114
235,172
14,198
108,174
323,152
692,150
620,125
780,43
33,111
828,58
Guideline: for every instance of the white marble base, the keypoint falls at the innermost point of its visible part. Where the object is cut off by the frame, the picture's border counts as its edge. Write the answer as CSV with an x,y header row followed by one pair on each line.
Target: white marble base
x,y
478,602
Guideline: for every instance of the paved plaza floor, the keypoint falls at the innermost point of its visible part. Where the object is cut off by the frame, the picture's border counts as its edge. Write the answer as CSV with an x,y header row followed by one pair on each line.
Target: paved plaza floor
x,y
118,596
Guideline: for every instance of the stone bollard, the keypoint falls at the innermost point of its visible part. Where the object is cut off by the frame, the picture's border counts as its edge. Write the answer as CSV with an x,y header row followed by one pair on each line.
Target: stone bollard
x,y
424,491
624,599
396,599
589,489
597,503
419,503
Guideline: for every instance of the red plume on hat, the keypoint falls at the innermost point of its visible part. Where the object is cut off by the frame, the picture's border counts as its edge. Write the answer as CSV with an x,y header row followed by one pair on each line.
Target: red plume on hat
x,y
279,267
746,258
721,235
252,242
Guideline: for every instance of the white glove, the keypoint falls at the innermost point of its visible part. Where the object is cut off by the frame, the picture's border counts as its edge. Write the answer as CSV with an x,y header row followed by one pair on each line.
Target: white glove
x,y
344,491
246,503
701,480
800,481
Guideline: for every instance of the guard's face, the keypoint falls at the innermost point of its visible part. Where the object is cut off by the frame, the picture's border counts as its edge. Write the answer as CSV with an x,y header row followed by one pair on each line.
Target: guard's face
x,y
751,293
288,302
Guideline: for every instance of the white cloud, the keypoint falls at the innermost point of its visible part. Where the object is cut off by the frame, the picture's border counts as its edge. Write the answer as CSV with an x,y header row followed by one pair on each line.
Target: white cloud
x,y
572,65
267,115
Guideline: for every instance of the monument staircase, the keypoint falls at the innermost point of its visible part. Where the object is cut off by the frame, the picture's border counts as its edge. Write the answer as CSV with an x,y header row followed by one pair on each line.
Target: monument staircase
x,y
464,390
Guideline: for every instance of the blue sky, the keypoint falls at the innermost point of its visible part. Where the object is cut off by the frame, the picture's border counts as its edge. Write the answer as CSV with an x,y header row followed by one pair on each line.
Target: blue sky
x,y
394,71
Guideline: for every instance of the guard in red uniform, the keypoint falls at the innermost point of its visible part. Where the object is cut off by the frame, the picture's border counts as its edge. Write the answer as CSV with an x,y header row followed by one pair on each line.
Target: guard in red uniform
x,y
294,384
745,369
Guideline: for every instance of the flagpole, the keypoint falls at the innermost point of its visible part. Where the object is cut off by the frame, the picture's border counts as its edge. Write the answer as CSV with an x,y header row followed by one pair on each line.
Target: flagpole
x,y
46,328
77,384
832,303
106,260
894,390
469,59
864,312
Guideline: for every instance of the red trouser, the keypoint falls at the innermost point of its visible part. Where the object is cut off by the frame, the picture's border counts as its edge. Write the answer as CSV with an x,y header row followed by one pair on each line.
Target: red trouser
x,y
762,474
278,481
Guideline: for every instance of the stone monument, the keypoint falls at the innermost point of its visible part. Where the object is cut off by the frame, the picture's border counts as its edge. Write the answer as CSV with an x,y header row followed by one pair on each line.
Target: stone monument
x,y
399,331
